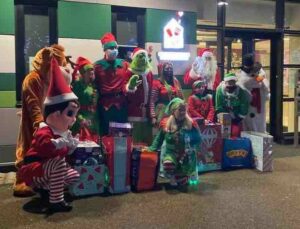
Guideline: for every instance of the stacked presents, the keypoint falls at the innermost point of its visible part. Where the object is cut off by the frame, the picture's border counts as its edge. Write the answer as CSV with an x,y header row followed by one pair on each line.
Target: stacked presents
x,y
115,165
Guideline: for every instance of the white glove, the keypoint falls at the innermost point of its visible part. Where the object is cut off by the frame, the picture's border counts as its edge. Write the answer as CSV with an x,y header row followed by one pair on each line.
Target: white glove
x,y
60,142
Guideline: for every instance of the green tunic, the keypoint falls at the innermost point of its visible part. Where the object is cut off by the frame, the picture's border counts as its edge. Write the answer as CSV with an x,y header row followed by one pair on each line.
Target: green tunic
x,y
181,149
87,97
236,102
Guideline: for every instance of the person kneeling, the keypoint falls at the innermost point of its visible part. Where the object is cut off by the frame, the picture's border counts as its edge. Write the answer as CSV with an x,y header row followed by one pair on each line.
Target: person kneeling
x,y
45,168
182,138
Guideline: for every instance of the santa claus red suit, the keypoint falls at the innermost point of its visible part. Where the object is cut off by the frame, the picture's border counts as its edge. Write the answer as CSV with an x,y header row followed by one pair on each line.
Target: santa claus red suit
x,y
204,68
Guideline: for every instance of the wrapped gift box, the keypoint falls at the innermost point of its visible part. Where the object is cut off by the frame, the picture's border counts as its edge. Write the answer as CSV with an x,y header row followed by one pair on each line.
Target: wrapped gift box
x,y
262,149
84,150
118,158
144,169
225,120
93,178
210,155
120,129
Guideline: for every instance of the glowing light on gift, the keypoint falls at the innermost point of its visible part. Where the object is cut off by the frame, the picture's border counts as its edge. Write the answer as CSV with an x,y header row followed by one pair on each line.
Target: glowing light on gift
x,y
176,56
173,35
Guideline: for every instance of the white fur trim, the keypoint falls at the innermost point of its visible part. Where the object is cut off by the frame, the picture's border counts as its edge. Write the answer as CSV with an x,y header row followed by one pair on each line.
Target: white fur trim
x,y
60,98
241,116
138,52
130,90
207,54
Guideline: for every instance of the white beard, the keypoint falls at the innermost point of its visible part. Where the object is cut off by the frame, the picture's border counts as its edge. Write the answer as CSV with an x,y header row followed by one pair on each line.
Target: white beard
x,y
208,70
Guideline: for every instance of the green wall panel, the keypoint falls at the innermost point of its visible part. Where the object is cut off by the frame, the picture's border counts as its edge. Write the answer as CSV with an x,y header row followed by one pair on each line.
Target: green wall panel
x,y
7,99
7,82
83,20
157,19
7,17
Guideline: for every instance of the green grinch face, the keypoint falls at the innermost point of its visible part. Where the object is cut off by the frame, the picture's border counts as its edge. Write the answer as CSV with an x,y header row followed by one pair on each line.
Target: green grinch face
x,y
140,63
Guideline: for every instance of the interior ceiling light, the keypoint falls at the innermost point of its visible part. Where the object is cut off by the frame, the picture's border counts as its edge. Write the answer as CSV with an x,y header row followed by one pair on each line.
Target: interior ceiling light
x,y
222,3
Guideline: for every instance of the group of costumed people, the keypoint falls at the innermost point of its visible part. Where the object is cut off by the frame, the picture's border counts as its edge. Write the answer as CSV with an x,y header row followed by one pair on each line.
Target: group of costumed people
x,y
114,90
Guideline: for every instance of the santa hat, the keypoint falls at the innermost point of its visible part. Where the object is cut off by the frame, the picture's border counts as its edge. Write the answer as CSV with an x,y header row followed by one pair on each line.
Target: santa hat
x,y
137,51
58,91
205,52
82,63
108,40
230,76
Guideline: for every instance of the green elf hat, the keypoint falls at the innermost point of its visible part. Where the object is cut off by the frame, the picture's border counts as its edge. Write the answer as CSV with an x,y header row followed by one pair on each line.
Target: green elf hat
x,y
173,105
230,76
108,40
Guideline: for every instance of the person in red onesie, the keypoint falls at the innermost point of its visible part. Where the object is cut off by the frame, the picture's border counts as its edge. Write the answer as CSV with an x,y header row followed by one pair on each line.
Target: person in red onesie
x,y
45,167
200,103
113,82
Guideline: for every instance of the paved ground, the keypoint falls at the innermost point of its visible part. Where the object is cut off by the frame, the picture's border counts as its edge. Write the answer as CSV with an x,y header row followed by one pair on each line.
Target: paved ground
x,y
236,199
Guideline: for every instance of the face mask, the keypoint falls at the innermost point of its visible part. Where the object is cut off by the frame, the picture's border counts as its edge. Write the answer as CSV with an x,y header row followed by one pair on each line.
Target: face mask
x,y
112,54
230,89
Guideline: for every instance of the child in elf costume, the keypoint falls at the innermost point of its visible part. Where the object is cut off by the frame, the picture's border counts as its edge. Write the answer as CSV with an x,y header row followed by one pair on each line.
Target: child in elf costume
x,y
200,103
113,83
44,165
232,99
138,103
164,90
34,90
182,138
87,124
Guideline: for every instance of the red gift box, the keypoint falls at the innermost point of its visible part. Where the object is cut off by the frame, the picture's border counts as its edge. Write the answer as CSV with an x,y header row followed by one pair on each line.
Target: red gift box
x,y
210,155
118,158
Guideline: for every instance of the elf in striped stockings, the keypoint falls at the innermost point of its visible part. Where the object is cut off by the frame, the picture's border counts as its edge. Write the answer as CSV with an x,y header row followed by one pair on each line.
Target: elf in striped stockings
x,y
45,168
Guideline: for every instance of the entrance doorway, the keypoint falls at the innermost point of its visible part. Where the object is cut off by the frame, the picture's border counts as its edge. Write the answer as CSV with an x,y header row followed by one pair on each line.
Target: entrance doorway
x,y
263,46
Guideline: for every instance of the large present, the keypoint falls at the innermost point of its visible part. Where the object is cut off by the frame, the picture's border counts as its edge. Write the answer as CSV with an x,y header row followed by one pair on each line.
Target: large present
x,y
225,120
117,129
262,149
118,158
144,169
210,155
93,178
85,150
237,153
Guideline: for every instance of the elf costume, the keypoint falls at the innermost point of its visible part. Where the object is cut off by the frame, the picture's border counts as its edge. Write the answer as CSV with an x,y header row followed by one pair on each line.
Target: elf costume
x,y
200,103
162,93
87,123
182,140
257,86
235,102
138,103
34,89
113,83
44,165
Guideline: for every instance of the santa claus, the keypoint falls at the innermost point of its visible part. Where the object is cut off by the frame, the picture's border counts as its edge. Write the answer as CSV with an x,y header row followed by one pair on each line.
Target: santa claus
x,y
204,68
253,79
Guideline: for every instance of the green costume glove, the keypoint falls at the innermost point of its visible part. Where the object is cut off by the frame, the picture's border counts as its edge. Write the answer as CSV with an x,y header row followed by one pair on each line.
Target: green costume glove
x,y
133,82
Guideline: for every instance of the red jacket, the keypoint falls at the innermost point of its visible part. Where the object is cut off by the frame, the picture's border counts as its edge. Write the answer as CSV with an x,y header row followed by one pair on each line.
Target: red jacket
x,y
42,149
138,104
111,82
201,108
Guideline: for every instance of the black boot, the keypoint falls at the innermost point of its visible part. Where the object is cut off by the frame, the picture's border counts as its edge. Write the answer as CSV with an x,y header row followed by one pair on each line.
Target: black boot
x,y
60,207
44,194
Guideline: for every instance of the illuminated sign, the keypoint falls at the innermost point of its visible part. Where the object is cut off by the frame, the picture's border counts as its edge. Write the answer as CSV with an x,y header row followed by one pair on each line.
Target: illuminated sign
x,y
174,55
173,35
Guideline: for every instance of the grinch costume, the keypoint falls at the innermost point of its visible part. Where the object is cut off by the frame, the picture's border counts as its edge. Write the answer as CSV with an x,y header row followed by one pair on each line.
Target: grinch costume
x,y
87,123
34,89
257,86
113,82
182,141
138,103
162,93
235,102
